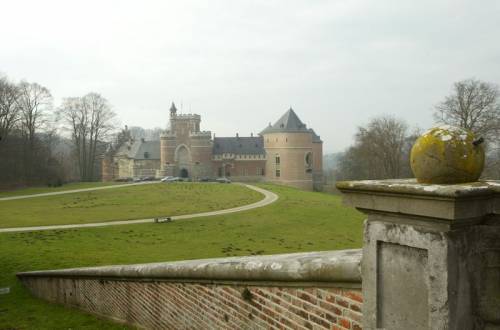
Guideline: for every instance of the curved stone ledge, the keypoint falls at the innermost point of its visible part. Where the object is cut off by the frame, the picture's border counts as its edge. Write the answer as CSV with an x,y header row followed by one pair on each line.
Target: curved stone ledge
x,y
330,266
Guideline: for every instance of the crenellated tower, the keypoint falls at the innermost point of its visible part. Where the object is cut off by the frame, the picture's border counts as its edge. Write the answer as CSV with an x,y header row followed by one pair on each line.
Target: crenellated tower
x,y
185,150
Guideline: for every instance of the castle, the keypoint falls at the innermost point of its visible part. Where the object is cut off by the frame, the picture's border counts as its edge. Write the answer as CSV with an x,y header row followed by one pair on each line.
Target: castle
x,y
286,153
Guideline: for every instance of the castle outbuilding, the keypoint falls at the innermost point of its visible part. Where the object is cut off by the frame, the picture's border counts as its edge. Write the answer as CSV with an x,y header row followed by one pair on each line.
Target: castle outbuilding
x,y
286,153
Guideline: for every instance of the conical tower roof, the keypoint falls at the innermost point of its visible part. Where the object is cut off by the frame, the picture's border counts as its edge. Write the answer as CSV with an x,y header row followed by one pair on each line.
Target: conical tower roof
x,y
289,122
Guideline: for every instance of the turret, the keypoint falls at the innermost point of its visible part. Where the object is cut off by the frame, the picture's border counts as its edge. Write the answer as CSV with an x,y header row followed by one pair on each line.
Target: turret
x,y
167,150
292,152
173,110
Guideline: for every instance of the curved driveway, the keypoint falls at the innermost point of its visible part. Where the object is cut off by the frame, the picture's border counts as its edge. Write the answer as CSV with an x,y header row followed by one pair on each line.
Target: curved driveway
x,y
269,197
10,198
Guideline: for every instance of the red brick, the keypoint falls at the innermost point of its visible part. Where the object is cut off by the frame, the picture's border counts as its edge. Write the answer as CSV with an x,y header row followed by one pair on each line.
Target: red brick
x,y
341,302
345,323
331,308
356,296
308,298
356,308
319,321
330,317
206,306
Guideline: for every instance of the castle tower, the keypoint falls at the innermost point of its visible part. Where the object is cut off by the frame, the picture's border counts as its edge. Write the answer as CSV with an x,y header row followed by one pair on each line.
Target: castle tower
x,y
167,150
294,153
201,154
184,150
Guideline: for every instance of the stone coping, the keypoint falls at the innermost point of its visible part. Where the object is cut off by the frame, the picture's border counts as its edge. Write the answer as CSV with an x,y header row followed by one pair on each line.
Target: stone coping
x,y
411,187
341,266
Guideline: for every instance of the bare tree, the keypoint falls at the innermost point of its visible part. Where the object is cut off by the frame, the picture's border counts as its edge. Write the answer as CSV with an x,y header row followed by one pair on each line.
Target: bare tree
x,y
474,105
90,120
34,102
380,151
383,140
9,109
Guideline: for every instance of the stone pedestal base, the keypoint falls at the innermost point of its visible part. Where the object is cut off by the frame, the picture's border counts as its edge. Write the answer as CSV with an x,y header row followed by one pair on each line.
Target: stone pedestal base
x,y
431,255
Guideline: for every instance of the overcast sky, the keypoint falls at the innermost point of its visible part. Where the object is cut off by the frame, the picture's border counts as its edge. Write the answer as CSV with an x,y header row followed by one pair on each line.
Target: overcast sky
x,y
242,64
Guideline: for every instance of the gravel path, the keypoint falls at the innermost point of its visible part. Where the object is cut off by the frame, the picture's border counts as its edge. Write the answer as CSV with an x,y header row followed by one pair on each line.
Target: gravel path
x,y
74,191
269,198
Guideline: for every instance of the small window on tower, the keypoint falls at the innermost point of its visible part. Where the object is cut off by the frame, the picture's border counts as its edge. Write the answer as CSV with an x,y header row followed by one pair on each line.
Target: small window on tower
x,y
309,162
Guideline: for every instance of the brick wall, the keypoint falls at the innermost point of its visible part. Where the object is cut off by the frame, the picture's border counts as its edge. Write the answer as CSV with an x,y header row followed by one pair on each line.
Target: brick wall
x,y
174,305
313,290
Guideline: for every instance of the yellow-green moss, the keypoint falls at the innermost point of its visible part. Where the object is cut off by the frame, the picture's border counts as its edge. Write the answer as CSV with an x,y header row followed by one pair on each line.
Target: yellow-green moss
x,y
446,154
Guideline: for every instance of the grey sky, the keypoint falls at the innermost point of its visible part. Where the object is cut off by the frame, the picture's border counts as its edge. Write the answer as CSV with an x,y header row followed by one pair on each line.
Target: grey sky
x,y
241,64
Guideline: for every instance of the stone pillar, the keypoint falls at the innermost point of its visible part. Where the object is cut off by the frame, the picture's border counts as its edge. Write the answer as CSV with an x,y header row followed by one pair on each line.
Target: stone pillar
x,y
431,254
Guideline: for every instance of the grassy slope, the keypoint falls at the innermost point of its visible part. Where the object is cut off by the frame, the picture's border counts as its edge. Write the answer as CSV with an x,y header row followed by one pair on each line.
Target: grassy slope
x,y
298,221
135,202
43,189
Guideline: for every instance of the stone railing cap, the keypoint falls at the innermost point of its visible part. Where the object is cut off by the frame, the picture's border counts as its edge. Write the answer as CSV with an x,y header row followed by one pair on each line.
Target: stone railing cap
x,y
411,187
329,266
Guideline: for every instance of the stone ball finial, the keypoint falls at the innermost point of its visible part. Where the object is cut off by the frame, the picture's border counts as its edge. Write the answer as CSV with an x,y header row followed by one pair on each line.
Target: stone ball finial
x,y
446,155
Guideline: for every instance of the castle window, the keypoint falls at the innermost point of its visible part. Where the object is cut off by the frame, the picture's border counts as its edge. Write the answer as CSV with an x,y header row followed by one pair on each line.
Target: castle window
x,y
286,139
309,162
277,165
309,159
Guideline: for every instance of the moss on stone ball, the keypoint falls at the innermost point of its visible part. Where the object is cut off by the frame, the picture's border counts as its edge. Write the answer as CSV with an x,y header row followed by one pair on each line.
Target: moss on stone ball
x,y
447,154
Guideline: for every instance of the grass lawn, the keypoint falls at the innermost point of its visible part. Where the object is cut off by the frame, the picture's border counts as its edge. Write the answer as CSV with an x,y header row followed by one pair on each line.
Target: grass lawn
x,y
45,189
134,202
298,221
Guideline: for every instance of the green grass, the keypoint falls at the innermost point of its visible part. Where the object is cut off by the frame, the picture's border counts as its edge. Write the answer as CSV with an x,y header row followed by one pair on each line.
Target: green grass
x,y
134,202
298,221
45,189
